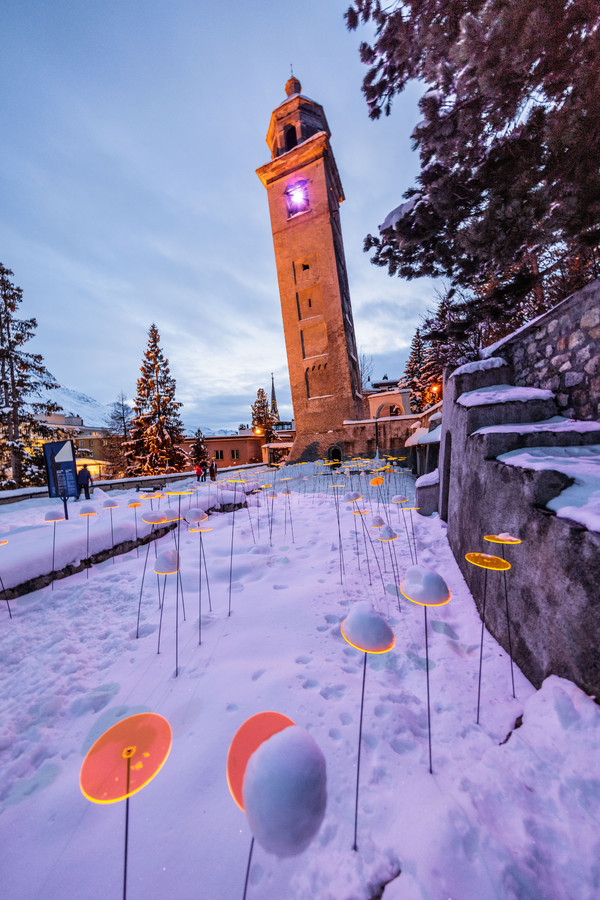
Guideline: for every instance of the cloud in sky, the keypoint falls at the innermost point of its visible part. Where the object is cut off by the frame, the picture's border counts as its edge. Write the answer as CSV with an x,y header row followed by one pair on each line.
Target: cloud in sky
x,y
131,135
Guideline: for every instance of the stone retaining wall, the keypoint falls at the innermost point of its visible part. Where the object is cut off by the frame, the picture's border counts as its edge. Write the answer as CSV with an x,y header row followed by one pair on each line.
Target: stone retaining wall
x,y
560,351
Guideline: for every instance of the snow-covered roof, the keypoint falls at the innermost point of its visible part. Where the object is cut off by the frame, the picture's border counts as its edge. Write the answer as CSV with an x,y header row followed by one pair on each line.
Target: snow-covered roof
x,y
414,439
424,436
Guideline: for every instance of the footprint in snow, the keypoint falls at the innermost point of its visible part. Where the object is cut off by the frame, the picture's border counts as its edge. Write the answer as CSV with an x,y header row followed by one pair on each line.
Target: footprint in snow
x,y
333,692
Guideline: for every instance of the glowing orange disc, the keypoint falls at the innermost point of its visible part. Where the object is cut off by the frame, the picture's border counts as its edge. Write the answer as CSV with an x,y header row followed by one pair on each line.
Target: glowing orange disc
x,y
377,481
248,738
3,542
486,561
144,739
501,539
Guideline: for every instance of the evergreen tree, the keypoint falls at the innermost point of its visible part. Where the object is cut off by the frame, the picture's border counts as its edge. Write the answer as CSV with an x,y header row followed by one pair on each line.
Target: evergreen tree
x,y
508,196
118,421
24,381
199,452
118,425
156,429
261,417
413,373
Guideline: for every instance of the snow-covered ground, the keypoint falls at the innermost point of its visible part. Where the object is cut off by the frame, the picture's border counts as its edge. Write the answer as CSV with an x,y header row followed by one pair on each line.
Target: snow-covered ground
x,y
509,812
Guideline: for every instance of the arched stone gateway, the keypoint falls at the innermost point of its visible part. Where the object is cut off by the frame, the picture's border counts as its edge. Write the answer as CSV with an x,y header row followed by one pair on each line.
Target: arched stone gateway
x,y
334,454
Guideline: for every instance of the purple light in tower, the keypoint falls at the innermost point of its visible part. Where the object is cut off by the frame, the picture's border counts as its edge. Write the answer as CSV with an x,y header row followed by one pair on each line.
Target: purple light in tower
x,y
297,197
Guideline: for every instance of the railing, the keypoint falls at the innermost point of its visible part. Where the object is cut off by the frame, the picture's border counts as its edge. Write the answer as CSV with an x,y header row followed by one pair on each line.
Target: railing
x,y
137,483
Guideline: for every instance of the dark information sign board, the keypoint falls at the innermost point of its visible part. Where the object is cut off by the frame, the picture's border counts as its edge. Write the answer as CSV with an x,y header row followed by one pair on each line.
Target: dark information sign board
x,y
61,471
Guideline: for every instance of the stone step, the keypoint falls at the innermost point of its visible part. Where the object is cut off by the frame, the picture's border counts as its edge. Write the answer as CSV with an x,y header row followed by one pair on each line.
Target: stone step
x,y
555,432
481,374
504,404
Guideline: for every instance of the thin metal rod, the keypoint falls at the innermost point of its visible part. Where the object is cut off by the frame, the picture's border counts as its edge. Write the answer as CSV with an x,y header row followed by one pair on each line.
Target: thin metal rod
x,y
248,867
481,647
53,548
162,606
206,572
362,703
512,674
177,623
87,545
428,700
5,597
126,832
200,589
137,630
112,536
231,557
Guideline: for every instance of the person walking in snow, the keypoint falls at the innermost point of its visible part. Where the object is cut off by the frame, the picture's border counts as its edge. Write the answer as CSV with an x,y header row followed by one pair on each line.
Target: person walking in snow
x,y
213,471
199,472
84,479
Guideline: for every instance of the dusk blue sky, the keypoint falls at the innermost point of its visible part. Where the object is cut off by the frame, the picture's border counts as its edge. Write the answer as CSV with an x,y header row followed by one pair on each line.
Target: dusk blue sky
x,y
131,132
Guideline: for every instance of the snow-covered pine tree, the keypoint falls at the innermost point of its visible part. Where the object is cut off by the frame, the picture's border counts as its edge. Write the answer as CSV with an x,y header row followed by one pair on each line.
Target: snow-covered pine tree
x,y
24,382
199,451
118,426
156,430
261,417
413,373
509,141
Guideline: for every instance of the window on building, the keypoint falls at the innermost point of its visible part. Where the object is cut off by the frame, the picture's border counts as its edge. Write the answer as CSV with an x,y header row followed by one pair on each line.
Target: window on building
x,y
235,454
291,137
218,454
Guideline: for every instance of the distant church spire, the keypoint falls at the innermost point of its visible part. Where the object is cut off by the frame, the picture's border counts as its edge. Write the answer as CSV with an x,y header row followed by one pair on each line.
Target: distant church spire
x,y
274,412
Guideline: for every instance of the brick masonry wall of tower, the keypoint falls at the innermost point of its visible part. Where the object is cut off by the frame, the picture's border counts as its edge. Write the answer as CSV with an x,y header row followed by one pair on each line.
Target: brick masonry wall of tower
x,y
313,288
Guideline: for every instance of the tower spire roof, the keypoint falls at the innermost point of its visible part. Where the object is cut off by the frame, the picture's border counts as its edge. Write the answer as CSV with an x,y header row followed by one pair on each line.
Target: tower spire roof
x,y
274,412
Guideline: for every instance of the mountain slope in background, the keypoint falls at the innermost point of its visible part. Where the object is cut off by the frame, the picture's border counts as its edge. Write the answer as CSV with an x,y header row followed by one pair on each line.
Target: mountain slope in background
x,y
94,414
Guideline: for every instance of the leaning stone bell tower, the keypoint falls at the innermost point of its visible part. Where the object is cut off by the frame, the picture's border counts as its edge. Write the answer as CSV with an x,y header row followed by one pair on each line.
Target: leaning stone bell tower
x,y
304,192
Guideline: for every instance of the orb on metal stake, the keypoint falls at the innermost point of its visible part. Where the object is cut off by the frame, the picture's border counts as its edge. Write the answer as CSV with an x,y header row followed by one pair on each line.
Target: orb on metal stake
x,y
54,516
134,505
195,517
167,563
505,539
364,629
86,513
111,504
124,760
425,588
487,562
150,518
270,748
